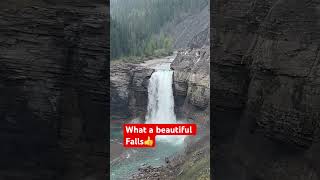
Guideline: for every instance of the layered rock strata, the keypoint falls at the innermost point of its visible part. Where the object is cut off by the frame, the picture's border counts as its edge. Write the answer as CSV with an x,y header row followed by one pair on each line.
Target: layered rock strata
x,y
191,82
129,90
265,84
53,100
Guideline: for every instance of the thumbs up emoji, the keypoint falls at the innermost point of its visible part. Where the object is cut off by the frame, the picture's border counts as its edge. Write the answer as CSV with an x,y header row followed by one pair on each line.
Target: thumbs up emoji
x,y
148,142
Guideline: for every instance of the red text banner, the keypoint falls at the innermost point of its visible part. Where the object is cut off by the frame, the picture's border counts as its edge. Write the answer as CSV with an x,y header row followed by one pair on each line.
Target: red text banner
x,y
143,135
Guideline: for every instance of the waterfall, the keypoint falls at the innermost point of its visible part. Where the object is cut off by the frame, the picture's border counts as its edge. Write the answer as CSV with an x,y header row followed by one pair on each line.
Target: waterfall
x,y
161,100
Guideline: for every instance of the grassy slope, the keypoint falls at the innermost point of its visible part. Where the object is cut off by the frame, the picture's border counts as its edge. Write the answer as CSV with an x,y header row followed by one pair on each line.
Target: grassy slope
x,y
196,165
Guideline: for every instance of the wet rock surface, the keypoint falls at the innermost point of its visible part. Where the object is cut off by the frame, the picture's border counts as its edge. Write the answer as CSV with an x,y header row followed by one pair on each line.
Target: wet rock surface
x,y
265,89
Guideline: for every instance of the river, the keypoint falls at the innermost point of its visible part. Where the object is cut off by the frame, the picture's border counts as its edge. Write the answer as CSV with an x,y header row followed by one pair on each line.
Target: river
x,y
160,110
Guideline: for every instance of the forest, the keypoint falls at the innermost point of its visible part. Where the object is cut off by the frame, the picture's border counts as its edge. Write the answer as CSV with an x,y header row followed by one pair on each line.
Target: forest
x,y
138,26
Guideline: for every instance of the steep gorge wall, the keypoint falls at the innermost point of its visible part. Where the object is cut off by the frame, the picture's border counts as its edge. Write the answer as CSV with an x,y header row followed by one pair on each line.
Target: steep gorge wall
x,y
191,82
191,86
53,86
129,90
129,82
265,91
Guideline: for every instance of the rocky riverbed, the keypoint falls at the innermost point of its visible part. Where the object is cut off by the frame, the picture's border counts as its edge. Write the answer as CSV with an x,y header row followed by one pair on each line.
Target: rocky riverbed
x,y
192,163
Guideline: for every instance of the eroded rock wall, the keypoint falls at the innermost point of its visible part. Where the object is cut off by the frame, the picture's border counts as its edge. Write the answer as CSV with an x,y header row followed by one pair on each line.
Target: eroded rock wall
x,y
129,86
265,89
129,90
53,100
191,82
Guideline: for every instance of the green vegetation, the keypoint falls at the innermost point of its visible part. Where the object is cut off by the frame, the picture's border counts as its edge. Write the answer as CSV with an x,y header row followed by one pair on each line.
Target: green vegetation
x,y
137,25
197,163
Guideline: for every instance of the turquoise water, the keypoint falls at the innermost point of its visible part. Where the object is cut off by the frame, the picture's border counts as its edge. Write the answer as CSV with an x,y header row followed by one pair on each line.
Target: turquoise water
x,y
133,158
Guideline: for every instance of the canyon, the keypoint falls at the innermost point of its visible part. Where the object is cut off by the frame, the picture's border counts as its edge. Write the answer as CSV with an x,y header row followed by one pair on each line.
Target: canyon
x,y
264,90
54,89
191,81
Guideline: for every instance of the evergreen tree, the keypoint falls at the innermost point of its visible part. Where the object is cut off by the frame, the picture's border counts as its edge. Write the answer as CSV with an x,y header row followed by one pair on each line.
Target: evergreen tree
x,y
136,25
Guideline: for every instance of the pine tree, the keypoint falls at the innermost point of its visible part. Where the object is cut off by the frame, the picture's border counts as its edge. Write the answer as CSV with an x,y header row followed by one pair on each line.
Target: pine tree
x,y
136,25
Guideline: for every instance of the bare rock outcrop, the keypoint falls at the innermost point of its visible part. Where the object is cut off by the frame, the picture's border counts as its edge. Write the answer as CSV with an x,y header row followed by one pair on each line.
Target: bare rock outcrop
x,y
129,90
53,100
191,83
138,98
119,89
265,91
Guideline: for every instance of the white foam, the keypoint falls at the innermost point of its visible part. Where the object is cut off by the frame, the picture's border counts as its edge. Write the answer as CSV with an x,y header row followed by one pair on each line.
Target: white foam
x,y
161,102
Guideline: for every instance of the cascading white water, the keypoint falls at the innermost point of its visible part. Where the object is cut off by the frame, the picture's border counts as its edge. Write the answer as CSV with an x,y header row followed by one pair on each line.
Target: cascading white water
x,y
160,110
161,101
160,98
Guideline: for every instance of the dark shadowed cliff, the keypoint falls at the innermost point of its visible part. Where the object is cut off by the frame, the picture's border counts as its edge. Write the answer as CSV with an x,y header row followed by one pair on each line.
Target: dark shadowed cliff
x,y
265,89
53,89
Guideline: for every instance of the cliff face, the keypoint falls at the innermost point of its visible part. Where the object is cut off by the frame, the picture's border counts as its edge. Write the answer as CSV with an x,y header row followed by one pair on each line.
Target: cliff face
x,y
265,91
129,90
191,86
191,82
53,86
